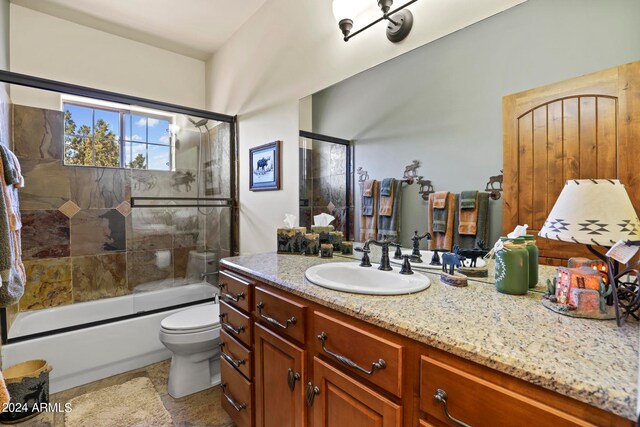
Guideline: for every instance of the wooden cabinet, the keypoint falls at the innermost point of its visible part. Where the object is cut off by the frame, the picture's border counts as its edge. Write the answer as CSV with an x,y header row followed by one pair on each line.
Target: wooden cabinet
x,y
280,369
339,380
236,323
236,290
341,400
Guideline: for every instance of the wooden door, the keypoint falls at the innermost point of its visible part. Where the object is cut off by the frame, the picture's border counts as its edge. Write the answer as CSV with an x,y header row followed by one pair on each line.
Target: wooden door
x,y
344,401
280,370
587,127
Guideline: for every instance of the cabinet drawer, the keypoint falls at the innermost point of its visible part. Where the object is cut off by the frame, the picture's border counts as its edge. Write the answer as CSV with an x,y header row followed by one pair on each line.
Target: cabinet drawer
x,y
237,395
235,290
361,352
280,314
236,324
238,356
478,402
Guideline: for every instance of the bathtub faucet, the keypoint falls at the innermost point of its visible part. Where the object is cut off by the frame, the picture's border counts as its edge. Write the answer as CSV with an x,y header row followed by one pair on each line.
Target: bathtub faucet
x,y
205,275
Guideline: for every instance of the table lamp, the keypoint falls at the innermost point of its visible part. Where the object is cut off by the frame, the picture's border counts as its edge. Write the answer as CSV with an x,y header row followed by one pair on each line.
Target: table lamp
x,y
594,212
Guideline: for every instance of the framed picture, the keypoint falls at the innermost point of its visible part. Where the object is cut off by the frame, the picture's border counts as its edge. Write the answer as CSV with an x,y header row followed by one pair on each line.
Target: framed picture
x,y
265,167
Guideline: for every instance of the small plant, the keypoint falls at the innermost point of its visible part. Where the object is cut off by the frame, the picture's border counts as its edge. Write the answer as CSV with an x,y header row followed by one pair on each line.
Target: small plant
x,y
551,287
604,293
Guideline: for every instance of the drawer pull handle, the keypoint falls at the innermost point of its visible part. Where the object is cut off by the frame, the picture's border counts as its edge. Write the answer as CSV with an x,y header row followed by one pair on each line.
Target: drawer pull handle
x,y
375,366
273,321
230,296
292,377
231,400
236,363
311,393
441,396
229,327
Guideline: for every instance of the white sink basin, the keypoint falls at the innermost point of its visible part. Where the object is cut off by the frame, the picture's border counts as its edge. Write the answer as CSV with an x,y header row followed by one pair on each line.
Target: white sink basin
x,y
426,259
350,277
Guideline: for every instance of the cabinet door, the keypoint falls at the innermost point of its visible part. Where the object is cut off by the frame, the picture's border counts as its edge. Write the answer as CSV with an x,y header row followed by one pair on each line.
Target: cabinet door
x,y
279,372
343,401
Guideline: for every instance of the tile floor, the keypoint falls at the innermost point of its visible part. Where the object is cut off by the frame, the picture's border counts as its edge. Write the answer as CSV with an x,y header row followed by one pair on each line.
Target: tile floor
x,y
201,409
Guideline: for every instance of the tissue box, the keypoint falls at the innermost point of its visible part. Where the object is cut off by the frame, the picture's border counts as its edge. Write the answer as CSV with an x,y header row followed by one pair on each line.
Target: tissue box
x,y
323,231
311,244
291,240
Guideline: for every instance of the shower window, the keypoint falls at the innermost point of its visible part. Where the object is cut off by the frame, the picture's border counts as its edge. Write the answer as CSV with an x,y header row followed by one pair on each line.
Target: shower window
x,y
117,137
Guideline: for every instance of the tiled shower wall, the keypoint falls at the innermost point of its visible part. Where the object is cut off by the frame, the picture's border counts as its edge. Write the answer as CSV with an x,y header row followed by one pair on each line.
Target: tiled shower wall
x,y
323,185
81,238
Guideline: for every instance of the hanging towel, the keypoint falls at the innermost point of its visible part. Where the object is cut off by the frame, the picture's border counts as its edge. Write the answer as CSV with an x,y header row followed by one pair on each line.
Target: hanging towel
x,y
482,226
387,189
440,199
468,199
369,223
368,202
389,225
13,278
10,172
439,211
442,240
18,168
468,217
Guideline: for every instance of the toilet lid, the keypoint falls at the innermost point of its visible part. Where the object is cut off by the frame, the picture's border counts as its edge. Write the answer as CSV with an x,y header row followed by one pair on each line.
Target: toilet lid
x,y
202,317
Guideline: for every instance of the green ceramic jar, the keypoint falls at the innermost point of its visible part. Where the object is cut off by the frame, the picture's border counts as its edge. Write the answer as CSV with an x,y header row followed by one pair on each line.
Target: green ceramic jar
x,y
532,248
512,267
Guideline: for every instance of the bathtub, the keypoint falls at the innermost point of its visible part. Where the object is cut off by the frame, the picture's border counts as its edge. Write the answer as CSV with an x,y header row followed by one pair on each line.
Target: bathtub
x,y
80,356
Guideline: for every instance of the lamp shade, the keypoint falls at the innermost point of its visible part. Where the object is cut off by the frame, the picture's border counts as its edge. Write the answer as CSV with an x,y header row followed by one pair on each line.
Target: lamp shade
x,y
349,9
592,212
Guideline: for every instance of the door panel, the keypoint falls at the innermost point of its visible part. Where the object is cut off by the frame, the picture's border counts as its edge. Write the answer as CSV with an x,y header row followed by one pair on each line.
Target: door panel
x,y
587,127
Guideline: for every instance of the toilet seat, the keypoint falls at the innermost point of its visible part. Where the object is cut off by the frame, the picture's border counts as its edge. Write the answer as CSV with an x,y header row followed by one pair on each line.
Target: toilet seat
x,y
193,320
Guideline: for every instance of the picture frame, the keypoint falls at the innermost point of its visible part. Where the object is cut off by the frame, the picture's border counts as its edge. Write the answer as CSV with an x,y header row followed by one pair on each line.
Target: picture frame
x,y
264,170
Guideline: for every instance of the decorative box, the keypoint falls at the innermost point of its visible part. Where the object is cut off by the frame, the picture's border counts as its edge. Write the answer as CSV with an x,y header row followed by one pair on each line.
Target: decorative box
x,y
326,250
291,240
323,231
311,244
335,238
347,248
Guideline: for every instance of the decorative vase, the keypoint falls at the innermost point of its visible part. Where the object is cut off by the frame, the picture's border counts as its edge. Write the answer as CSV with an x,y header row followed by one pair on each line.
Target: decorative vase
x,y
512,267
532,249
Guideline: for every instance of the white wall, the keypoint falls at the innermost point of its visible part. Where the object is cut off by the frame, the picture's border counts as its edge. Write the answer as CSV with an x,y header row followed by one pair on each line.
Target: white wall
x,y
4,34
53,48
288,50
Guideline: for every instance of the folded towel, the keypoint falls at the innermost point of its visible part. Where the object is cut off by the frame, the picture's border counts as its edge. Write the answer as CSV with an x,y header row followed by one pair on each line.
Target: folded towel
x,y
439,214
468,217
367,187
387,199
468,199
369,222
18,169
389,226
442,240
440,199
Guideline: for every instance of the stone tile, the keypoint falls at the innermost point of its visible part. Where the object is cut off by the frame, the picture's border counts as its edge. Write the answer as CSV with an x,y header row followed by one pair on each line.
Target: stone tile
x,y
124,208
69,209
321,192
180,183
48,284
45,234
321,160
99,276
187,227
96,231
337,159
155,267
98,188
200,409
338,190
150,229
38,134
181,261
47,184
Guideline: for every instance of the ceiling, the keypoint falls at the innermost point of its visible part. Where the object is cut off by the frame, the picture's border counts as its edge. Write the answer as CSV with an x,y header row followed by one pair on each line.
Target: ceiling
x,y
194,28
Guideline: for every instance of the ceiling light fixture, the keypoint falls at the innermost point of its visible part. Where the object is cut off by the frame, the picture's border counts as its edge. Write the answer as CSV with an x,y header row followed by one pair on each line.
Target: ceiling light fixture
x,y
400,19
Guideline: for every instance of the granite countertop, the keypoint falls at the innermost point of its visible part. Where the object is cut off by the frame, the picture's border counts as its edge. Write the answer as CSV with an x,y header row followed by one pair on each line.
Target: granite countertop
x,y
591,361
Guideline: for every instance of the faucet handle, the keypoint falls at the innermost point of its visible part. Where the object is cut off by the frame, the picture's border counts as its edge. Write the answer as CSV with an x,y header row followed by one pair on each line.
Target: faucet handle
x,y
398,253
406,265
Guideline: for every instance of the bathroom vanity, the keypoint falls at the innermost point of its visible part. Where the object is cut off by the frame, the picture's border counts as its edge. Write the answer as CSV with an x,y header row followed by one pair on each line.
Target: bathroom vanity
x,y
296,354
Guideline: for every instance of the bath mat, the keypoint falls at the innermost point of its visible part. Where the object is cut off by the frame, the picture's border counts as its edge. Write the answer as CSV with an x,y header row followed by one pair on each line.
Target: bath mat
x,y
134,403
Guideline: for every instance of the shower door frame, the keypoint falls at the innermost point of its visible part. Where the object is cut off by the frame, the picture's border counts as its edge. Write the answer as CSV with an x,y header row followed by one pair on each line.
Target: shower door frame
x,y
34,82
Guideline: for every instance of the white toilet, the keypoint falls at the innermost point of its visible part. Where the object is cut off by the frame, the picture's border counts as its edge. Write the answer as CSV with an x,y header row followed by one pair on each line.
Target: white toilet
x,y
193,336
